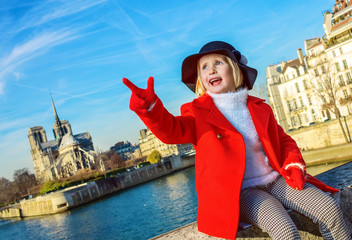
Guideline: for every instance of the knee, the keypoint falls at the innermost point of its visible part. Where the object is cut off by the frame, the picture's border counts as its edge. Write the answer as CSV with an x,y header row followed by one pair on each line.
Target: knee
x,y
285,231
329,211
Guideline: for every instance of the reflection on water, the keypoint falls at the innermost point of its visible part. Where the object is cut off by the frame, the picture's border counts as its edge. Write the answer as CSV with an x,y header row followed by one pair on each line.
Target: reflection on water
x,y
140,212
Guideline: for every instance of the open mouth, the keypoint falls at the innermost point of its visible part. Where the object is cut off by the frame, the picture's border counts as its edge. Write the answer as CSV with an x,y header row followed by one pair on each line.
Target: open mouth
x,y
215,81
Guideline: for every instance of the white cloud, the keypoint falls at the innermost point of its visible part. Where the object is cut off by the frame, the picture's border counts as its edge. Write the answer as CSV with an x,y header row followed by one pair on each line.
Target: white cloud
x,y
53,10
28,50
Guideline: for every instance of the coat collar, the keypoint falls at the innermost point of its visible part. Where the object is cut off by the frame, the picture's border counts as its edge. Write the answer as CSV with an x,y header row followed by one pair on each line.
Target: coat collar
x,y
259,114
214,116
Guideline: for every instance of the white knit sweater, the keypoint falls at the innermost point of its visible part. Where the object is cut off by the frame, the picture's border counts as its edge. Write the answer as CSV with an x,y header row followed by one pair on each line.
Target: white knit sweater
x,y
233,106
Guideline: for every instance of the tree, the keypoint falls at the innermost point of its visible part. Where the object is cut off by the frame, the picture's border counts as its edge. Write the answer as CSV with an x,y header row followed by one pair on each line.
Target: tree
x,y
6,191
110,159
23,180
154,157
327,86
116,160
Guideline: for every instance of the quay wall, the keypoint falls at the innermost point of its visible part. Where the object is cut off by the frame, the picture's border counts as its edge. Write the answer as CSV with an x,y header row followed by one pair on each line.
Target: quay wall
x,y
330,154
76,196
322,134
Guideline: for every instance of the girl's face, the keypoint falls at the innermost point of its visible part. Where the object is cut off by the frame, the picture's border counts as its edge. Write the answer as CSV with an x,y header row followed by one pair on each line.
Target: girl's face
x,y
216,73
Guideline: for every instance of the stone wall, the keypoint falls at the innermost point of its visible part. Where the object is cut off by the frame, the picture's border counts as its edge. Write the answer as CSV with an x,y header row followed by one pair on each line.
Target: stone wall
x,y
321,135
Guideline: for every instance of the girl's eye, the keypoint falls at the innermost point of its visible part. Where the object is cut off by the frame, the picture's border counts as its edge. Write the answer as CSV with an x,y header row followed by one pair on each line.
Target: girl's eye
x,y
218,63
205,67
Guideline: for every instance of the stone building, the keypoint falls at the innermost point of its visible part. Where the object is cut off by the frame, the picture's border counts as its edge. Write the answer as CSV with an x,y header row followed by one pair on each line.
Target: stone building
x,y
62,157
299,90
149,142
127,150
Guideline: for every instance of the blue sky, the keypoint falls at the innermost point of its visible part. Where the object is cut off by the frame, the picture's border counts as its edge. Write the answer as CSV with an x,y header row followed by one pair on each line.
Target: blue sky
x,y
80,51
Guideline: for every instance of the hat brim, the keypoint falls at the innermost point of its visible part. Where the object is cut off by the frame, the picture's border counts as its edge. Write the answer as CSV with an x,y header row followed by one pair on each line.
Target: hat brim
x,y
190,72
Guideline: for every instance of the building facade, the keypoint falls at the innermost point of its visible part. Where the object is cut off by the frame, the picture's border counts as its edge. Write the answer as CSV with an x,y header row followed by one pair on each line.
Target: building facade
x,y
149,142
62,157
127,150
302,91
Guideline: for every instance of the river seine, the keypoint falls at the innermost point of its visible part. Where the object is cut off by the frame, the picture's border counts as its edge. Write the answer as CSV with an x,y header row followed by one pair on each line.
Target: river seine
x,y
141,212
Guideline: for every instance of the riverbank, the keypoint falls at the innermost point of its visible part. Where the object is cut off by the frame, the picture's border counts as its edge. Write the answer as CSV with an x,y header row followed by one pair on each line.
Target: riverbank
x,y
73,197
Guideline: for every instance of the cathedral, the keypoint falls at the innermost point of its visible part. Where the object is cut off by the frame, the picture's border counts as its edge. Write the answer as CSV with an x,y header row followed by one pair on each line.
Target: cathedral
x,y
62,157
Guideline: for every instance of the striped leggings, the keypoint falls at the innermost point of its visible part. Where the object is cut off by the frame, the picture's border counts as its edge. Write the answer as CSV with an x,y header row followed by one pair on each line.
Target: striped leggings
x,y
265,208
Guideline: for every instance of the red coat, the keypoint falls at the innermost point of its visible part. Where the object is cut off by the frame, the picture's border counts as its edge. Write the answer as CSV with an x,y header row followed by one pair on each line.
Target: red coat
x,y
220,155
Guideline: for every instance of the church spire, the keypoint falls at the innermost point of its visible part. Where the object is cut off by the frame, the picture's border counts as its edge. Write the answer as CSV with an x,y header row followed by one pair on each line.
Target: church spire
x,y
55,113
59,133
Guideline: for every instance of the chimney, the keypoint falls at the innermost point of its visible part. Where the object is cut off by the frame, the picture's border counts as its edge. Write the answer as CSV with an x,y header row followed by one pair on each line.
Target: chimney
x,y
283,64
300,56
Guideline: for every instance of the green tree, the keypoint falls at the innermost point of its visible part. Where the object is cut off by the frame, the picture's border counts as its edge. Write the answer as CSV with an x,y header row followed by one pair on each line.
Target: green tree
x,y
154,157
50,186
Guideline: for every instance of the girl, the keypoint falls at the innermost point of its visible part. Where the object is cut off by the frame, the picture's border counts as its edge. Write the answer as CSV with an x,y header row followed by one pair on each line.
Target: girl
x,y
246,166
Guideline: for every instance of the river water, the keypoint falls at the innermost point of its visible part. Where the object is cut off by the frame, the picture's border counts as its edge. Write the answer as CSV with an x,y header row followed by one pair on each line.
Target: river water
x,y
140,212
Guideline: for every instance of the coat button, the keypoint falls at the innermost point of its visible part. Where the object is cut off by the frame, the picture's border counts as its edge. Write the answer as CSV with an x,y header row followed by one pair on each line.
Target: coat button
x,y
218,136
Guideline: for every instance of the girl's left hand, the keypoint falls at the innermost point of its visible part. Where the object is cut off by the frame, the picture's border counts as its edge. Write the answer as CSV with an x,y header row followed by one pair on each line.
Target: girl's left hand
x,y
294,177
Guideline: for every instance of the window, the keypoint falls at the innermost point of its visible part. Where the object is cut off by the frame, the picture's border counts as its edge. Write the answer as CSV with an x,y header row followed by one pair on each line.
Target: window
x,y
299,119
345,94
295,103
323,70
297,87
345,64
305,84
320,86
349,78
314,116
310,100
333,53
316,72
337,67
340,49
289,106
301,102
341,81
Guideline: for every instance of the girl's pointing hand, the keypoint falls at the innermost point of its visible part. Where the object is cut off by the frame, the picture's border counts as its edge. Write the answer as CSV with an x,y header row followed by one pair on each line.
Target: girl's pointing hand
x,y
141,99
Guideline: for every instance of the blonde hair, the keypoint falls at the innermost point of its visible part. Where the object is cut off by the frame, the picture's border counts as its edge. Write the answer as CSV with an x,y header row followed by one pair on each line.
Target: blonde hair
x,y
236,72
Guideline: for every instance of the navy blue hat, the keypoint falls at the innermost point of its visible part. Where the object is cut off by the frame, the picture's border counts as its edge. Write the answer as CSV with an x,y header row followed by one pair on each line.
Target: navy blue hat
x,y
189,65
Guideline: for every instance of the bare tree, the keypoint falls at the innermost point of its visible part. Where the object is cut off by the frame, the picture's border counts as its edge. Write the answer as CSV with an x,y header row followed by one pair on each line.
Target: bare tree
x,y
111,160
23,180
6,191
327,88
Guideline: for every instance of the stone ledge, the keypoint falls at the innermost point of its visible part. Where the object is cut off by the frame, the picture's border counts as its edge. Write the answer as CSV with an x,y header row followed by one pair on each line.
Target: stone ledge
x,y
307,229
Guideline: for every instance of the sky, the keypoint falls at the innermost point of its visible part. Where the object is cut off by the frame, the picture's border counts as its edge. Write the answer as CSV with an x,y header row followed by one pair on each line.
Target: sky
x,y
79,51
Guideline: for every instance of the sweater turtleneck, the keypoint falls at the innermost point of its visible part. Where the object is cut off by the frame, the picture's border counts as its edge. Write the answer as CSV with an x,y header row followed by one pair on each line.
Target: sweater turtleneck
x,y
233,105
